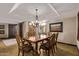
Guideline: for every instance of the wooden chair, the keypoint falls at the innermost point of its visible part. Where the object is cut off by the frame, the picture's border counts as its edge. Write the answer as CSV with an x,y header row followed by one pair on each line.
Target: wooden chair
x,y
22,46
55,42
48,45
49,33
56,37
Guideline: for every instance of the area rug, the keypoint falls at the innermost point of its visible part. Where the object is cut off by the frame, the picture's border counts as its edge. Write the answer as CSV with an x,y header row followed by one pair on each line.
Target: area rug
x,y
9,42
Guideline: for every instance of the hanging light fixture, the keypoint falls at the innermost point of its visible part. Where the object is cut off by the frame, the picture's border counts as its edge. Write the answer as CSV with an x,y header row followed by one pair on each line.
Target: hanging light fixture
x,y
37,23
36,19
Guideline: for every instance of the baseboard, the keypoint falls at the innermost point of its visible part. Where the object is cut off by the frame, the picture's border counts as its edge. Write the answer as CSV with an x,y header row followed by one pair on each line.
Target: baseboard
x,y
68,44
6,38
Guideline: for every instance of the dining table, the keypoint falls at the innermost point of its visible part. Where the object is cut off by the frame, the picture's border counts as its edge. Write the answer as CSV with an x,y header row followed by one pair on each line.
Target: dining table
x,y
36,40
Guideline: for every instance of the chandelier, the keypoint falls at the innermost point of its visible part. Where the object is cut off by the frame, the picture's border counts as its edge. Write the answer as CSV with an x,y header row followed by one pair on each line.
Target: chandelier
x,y
36,22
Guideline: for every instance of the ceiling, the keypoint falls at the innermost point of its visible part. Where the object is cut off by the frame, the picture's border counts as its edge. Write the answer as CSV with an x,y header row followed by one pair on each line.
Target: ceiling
x,y
18,12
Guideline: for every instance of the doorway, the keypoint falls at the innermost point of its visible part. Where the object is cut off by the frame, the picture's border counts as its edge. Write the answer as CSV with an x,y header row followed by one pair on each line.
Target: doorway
x,y
12,30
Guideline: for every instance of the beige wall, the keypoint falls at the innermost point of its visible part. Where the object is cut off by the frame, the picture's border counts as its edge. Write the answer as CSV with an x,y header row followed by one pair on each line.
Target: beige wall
x,y
6,31
77,32
69,31
69,34
25,28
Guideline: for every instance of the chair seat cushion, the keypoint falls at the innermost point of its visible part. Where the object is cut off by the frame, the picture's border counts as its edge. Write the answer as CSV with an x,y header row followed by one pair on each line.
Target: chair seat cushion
x,y
44,46
27,48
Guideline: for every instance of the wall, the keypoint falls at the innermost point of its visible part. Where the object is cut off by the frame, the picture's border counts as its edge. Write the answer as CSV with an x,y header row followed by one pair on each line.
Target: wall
x,y
77,32
6,31
25,28
69,31
69,34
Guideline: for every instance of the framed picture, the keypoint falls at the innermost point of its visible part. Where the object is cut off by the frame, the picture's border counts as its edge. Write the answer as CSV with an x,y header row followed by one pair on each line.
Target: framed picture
x,y
2,32
1,26
56,27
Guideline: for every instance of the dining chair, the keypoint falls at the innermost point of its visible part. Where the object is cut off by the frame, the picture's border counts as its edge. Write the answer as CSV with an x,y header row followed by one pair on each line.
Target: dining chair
x,y
22,46
55,42
56,37
49,45
49,33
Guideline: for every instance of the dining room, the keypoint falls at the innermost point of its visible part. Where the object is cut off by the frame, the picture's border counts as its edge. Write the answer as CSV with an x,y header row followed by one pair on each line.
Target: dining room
x,y
39,29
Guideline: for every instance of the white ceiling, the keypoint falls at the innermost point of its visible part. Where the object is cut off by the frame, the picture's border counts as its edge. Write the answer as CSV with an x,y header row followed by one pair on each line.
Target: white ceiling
x,y
14,13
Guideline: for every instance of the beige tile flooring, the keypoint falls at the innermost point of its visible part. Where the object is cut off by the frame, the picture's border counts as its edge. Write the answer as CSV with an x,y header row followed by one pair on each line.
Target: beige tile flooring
x,y
62,50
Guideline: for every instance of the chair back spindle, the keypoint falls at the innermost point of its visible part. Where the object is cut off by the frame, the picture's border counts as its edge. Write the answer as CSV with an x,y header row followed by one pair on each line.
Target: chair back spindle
x,y
18,39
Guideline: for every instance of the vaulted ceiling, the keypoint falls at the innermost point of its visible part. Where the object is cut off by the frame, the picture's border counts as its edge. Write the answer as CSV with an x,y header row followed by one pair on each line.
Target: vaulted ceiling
x,y
18,12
